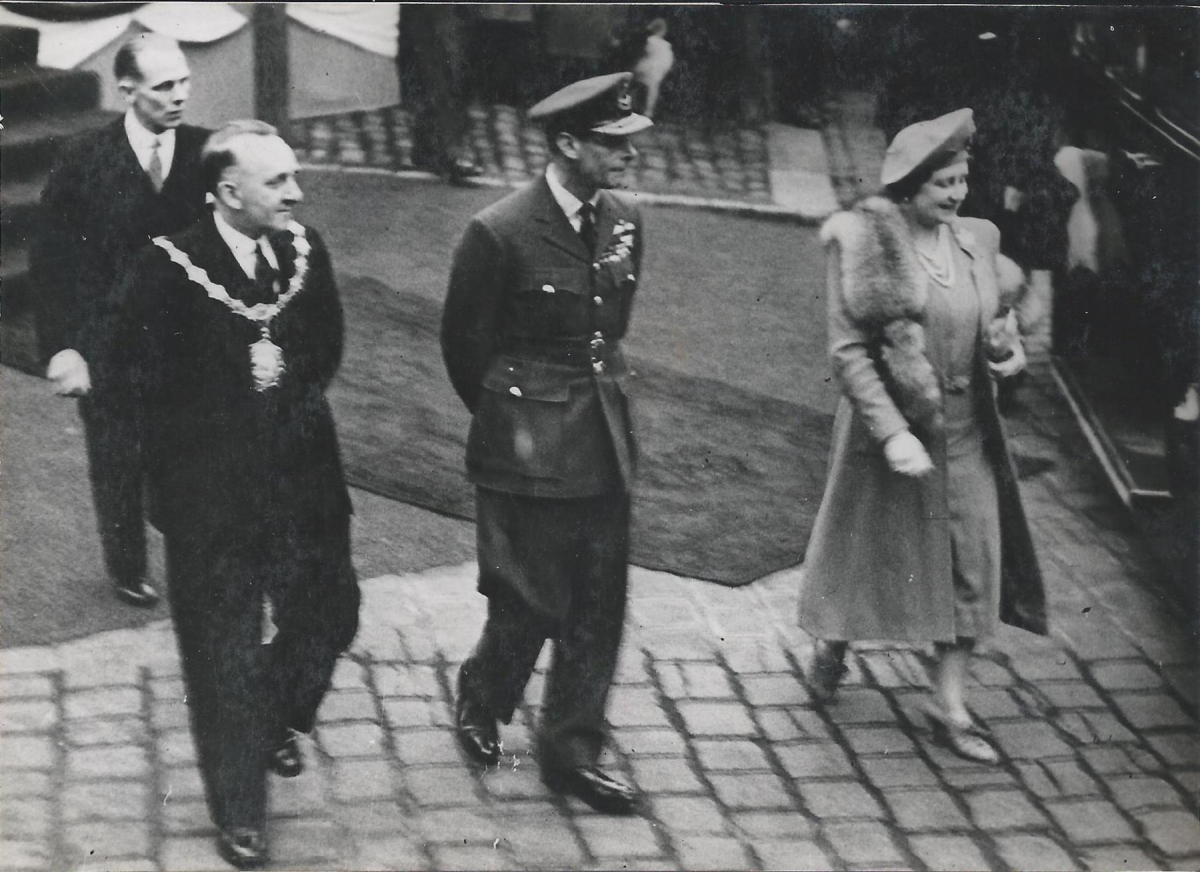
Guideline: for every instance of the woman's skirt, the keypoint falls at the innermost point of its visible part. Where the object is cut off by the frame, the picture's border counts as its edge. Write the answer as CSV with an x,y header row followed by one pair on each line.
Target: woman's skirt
x,y
974,521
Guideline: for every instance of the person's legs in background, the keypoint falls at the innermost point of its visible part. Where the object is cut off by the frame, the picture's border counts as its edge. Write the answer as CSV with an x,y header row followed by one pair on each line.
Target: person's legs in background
x,y
433,39
115,433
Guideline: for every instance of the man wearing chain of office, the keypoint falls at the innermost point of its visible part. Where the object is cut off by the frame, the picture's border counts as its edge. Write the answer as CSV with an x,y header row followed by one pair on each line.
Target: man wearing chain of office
x,y
233,330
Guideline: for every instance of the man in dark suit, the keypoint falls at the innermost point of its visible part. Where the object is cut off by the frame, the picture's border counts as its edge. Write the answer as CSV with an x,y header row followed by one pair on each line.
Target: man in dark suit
x,y
539,298
232,330
109,192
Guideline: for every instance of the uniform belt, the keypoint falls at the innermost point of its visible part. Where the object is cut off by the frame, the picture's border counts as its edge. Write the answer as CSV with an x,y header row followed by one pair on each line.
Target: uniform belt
x,y
593,352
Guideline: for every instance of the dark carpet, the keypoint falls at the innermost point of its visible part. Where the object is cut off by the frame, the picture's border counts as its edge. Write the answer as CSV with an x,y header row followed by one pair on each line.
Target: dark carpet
x,y
730,480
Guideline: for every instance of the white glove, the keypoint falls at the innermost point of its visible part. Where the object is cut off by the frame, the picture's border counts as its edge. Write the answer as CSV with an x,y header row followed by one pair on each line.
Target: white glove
x,y
69,372
906,455
1012,364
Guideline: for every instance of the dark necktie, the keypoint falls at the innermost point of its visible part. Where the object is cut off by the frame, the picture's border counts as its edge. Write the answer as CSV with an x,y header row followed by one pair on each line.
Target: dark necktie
x,y
587,227
265,276
155,168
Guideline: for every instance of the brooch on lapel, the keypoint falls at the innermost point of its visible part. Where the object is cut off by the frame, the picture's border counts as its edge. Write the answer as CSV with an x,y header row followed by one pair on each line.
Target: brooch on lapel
x,y
622,242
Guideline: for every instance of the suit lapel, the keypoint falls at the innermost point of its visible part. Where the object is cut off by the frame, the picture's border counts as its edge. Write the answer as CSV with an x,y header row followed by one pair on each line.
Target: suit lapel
x,y
214,256
125,159
182,163
556,229
983,274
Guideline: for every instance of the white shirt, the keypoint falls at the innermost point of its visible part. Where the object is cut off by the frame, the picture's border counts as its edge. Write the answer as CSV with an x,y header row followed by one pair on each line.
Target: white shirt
x,y
568,202
142,141
243,247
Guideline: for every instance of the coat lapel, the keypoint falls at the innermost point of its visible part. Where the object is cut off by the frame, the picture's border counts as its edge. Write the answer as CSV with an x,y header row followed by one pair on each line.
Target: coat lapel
x,y
125,159
983,273
214,256
556,229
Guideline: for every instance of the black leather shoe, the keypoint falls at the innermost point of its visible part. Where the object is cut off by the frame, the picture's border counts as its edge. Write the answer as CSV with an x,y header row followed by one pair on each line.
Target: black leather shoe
x,y
286,760
243,847
137,593
476,729
595,787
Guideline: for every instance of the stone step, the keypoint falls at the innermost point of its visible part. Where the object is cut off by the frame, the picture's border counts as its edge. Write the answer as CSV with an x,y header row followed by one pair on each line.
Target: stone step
x,y
28,146
18,46
28,92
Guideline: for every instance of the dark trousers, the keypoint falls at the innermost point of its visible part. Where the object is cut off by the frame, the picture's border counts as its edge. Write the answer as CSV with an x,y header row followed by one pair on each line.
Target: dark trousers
x,y
114,429
527,545
435,36
243,695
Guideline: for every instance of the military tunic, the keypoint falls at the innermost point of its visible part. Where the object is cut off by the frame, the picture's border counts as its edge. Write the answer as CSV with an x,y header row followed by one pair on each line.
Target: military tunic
x,y
531,339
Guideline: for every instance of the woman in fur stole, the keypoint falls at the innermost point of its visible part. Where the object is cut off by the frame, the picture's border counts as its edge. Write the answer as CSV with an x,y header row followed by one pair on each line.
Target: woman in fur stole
x,y
921,536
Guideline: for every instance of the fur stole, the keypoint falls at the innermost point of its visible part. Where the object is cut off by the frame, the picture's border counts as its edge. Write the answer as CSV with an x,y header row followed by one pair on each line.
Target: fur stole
x,y
884,293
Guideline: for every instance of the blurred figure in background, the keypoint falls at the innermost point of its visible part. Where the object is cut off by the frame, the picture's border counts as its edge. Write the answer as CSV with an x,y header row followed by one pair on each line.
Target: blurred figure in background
x,y
1096,257
643,50
434,37
110,191
801,45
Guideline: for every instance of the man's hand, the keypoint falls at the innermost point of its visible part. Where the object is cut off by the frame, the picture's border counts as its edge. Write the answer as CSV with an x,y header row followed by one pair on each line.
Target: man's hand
x,y
69,372
906,455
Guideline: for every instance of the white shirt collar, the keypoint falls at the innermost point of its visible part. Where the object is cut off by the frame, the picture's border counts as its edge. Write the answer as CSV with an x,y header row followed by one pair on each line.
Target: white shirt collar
x,y
568,202
243,247
142,141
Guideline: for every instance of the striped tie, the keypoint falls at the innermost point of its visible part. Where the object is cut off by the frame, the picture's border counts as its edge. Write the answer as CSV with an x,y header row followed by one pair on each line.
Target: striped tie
x,y
155,169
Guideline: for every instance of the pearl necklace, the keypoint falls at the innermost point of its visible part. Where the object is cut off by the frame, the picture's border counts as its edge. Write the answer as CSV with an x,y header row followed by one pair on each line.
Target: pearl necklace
x,y
940,265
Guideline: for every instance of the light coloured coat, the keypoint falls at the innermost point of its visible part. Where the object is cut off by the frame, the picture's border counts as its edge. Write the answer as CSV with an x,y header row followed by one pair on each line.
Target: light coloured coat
x,y
879,563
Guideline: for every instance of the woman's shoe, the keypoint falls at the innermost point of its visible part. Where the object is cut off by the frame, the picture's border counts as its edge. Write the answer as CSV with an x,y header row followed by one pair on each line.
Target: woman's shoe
x,y
826,671
965,740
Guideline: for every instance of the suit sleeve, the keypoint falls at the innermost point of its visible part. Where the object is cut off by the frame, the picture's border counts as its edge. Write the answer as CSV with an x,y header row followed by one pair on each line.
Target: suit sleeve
x,y
478,276
135,326
57,255
853,367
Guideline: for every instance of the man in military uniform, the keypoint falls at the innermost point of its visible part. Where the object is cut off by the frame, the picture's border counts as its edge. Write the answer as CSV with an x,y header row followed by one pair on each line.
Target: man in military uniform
x,y
539,298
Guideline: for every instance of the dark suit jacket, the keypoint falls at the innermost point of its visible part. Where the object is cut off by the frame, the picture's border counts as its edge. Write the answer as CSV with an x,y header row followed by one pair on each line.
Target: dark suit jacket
x,y
98,209
221,453
530,338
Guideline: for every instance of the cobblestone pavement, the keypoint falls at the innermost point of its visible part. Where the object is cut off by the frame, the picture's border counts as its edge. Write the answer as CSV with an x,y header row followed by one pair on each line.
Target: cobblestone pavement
x,y
725,163
711,719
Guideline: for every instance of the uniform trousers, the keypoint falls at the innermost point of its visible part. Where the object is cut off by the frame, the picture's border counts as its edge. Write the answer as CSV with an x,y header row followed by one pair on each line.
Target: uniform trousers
x,y
114,429
551,569
242,694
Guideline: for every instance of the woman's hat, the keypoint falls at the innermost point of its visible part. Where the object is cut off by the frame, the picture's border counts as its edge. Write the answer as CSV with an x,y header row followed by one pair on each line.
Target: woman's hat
x,y
926,144
601,104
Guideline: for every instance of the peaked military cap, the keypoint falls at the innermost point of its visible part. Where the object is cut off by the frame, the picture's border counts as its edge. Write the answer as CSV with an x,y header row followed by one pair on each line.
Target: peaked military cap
x,y
602,104
928,144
